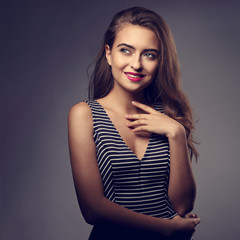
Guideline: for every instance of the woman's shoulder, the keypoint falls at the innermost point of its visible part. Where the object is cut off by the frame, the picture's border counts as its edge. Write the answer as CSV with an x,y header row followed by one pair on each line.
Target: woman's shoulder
x,y
80,127
80,111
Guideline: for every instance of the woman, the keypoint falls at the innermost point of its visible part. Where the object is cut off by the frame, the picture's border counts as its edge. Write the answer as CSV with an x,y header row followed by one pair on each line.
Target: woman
x,y
123,141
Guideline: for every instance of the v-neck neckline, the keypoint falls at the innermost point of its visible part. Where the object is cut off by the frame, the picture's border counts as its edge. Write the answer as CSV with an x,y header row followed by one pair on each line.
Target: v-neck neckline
x,y
121,138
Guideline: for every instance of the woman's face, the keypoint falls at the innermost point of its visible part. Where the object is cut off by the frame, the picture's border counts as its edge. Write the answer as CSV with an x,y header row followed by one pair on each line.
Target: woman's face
x,y
133,57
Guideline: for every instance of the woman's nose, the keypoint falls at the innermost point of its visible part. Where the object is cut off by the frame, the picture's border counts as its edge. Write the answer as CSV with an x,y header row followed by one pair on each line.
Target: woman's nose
x,y
136,63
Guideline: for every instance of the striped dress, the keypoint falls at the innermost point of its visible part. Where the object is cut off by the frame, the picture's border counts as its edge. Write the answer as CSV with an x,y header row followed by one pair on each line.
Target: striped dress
x,y
139,185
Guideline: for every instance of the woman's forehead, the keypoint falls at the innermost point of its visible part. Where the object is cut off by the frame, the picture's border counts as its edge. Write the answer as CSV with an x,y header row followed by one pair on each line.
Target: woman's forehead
x,y
136,36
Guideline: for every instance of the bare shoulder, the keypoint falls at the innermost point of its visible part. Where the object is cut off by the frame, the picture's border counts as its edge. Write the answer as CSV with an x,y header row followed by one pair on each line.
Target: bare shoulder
x,y
80,117
80,110
81,113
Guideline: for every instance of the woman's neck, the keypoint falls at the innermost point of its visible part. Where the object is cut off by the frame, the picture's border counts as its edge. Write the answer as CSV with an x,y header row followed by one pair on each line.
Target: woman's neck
x,y
121,101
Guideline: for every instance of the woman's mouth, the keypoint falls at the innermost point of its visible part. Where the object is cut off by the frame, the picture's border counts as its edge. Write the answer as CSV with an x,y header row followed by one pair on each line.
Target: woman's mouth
x,y
134,76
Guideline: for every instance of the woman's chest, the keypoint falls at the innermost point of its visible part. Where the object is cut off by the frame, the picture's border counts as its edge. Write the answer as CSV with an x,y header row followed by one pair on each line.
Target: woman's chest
x,y
137,143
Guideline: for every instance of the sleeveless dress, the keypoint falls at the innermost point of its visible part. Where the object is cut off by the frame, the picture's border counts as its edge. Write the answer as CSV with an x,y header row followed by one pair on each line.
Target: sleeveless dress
x,y
139,185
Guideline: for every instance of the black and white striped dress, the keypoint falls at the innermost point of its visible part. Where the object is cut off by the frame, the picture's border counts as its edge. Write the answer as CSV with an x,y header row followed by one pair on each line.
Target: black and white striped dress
x,y
140,185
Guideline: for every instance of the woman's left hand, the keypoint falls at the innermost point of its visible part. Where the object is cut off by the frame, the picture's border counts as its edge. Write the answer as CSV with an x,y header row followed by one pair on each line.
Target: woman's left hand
x,y
153,122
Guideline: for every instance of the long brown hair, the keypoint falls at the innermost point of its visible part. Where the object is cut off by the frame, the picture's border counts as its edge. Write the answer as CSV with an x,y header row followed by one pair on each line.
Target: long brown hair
x,y
165,87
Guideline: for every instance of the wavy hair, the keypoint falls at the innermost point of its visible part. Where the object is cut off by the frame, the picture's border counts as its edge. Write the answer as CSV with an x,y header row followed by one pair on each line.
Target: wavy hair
x,y
165,87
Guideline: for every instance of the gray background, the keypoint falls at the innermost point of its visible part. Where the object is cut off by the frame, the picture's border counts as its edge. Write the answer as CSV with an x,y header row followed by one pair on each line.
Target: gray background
x,y
45,51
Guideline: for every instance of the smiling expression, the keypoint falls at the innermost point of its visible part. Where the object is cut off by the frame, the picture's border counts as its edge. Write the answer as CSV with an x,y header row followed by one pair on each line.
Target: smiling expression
x,y
134,57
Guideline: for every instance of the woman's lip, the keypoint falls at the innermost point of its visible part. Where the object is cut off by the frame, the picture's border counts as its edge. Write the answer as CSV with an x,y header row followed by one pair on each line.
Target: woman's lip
x,y
137,76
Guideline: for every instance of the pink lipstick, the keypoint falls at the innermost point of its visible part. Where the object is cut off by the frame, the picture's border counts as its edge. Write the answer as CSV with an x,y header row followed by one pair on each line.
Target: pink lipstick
x,y
135,77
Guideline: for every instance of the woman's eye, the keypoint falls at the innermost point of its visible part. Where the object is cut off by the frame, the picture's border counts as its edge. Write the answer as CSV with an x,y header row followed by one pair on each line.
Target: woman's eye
x,y
151,56
125,51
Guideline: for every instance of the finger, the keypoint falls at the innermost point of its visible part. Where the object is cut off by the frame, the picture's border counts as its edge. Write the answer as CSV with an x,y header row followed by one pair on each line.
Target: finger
x,y
141,128
137,123
191,215
196,216
197,221
144,107
136,116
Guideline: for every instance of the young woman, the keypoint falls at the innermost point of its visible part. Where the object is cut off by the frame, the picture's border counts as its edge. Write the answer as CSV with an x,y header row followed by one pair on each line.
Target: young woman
x,y
131,145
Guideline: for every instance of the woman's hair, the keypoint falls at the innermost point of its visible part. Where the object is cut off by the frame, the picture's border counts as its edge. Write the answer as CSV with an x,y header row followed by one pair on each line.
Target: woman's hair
x,y
165,87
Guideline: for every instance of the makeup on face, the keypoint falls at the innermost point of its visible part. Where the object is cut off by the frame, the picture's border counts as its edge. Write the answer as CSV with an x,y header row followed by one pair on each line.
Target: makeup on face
x,y
128,50
135,77
134,58
151,51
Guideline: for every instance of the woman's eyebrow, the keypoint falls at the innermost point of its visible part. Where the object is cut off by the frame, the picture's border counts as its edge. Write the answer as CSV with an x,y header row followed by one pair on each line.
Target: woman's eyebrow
x,y
145,50
126,45
151,50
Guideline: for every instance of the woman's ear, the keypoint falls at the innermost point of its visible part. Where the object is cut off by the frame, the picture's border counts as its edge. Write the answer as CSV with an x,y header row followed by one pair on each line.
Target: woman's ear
x,y
108,54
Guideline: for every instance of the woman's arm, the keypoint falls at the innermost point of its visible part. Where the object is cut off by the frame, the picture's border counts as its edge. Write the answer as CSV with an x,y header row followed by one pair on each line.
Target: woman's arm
x,y
182,188
94,206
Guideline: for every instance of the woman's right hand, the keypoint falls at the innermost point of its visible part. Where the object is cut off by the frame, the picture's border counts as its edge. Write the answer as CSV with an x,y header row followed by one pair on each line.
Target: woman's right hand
x,y
184,226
